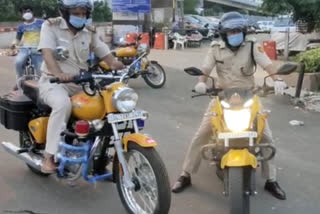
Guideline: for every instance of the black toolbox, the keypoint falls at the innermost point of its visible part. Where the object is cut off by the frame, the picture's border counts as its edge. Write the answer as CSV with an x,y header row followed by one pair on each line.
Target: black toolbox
x,y
15,111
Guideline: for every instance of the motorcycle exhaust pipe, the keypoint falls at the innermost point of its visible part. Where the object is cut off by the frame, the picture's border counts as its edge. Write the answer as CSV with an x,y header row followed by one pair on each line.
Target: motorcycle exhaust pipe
x,y
28,159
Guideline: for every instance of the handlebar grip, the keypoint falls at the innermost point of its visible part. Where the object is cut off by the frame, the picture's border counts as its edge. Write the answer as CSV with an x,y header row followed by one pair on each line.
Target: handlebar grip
x,y
54,80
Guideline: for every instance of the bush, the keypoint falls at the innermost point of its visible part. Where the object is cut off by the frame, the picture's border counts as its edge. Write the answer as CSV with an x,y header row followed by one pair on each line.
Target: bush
x,y
311,59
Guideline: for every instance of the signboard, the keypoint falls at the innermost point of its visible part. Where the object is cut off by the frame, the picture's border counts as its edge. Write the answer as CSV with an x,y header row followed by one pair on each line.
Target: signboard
x,y
133,6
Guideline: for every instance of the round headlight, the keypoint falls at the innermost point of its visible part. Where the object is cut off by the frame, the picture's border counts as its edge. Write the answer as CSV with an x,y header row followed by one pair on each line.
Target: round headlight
x,y
125,99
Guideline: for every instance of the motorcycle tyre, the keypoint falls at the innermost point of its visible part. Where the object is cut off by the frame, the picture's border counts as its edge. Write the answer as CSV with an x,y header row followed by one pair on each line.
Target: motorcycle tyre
x,y
239,201
164,193
149,82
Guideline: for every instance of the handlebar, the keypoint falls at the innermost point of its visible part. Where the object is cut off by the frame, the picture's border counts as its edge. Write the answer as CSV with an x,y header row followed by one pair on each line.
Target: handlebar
x,y
210,92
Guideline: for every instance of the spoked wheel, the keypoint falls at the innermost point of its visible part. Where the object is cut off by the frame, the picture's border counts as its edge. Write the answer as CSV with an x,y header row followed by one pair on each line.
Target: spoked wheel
x,y
156,76
25,142
239,199
151,194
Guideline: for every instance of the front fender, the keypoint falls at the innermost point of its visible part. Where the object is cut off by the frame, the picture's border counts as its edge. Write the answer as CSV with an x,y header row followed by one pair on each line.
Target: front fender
x,y
238,158
140,139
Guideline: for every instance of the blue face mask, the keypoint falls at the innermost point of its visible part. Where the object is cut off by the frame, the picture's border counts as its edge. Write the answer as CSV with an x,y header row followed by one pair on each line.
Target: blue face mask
x,y
77,22
236,39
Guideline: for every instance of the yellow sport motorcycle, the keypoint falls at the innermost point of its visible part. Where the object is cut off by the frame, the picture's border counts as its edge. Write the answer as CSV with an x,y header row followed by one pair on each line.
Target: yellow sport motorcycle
x,y
238,122
103,131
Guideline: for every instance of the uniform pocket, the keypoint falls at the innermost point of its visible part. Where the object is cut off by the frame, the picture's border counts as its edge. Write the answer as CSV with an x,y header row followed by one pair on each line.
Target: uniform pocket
x,y
84,51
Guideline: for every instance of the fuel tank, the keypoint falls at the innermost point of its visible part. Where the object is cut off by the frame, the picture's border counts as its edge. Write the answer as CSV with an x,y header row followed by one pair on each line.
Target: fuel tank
x,y
85,107
126,52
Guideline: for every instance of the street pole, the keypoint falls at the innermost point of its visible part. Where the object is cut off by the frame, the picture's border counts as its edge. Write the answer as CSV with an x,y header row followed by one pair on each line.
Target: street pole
x,y
286,44
181,13
174,6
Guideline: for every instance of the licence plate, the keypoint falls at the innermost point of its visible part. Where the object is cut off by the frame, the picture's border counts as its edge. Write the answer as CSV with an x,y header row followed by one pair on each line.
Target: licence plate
x,y
236,135
115,118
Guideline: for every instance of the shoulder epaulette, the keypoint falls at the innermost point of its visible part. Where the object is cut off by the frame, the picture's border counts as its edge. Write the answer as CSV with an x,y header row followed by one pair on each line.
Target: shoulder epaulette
x,y
54,21
91,28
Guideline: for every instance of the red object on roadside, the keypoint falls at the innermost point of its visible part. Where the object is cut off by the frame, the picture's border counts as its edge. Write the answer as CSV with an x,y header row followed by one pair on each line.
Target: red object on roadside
x,y
82,128
270,47
145,39
131,37
159,41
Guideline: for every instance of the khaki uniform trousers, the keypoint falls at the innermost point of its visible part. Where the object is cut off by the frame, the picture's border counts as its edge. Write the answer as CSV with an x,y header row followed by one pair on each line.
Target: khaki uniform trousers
x,y
193,158
57,96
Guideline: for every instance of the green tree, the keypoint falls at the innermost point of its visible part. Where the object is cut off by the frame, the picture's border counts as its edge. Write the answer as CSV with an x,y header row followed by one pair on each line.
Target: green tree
x,y
102,12
305,11
190,5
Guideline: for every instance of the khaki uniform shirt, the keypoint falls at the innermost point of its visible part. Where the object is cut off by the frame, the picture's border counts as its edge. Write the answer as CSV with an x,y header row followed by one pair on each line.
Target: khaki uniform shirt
x,y
235,69
55,32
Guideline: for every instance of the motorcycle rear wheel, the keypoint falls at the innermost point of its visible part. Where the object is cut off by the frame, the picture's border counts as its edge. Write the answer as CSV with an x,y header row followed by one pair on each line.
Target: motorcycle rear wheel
x,y
239,200
151,179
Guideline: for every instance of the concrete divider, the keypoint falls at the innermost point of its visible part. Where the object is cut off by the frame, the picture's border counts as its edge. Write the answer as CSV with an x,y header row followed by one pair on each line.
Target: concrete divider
x,y
6,39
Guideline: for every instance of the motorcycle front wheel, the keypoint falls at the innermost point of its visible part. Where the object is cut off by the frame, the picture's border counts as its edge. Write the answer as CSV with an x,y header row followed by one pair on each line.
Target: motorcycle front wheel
x,y
152,193
238,198
155,76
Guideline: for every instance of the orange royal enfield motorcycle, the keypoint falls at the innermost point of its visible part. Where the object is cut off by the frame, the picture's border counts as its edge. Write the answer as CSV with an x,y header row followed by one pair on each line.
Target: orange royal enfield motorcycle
x,y
104,130
151,71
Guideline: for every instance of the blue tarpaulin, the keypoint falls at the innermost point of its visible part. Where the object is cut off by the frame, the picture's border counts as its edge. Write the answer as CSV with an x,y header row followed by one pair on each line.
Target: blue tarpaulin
x,y
133,6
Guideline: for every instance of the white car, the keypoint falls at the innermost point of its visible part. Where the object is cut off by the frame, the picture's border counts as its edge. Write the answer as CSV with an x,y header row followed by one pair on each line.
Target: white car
x,y
282,25
265,26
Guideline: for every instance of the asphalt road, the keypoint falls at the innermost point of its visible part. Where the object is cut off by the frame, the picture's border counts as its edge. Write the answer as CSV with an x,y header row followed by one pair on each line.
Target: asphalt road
x,y
174,117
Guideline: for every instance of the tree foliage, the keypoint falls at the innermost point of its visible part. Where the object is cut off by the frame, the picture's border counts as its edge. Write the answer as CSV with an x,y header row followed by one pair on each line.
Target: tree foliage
x,y
306,10
10,12
190,6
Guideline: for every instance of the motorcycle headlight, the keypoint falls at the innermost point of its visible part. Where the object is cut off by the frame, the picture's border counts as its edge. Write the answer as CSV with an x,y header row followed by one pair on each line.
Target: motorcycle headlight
x,y
237,120
125,99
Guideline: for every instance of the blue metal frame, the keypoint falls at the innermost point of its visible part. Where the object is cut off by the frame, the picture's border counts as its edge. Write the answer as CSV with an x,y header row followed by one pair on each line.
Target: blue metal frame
x,y
84,151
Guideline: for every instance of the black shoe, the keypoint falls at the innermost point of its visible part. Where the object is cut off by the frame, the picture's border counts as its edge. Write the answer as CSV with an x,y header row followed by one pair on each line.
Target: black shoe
x,y
182,183
274,188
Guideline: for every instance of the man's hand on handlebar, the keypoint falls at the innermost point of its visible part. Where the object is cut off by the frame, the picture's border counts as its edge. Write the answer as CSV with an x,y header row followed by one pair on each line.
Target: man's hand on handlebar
x,y
64,77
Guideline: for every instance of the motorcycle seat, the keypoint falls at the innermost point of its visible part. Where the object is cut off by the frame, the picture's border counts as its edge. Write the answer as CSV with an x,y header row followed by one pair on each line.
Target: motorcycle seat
x,y
31,89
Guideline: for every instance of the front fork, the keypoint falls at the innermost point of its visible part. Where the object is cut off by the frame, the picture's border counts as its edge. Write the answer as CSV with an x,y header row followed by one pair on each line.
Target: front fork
x,y
127,179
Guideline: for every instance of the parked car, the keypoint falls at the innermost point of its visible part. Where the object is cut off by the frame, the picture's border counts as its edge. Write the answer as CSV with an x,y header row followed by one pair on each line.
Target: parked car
x,y
265,26
282,25
193,23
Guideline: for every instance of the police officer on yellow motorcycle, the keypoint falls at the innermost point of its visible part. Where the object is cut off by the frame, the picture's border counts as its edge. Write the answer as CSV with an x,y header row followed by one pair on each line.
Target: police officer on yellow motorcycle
x,y
234,58
69,31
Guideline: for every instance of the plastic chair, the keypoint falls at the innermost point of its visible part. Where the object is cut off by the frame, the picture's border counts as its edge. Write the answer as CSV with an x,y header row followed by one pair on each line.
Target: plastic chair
x,y
179,39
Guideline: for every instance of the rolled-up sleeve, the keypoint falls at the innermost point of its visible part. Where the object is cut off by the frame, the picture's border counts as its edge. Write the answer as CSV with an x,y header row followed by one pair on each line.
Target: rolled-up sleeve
x,y
260,56
99,48
47,37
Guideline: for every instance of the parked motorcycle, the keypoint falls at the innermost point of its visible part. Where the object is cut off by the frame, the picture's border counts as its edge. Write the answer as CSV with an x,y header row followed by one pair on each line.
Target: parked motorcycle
x,y
104,130
151,71
238,122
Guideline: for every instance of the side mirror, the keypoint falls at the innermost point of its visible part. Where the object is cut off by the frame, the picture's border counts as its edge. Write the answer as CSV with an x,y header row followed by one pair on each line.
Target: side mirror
x,y
193,71
286,69
61,53
139,37
206,25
